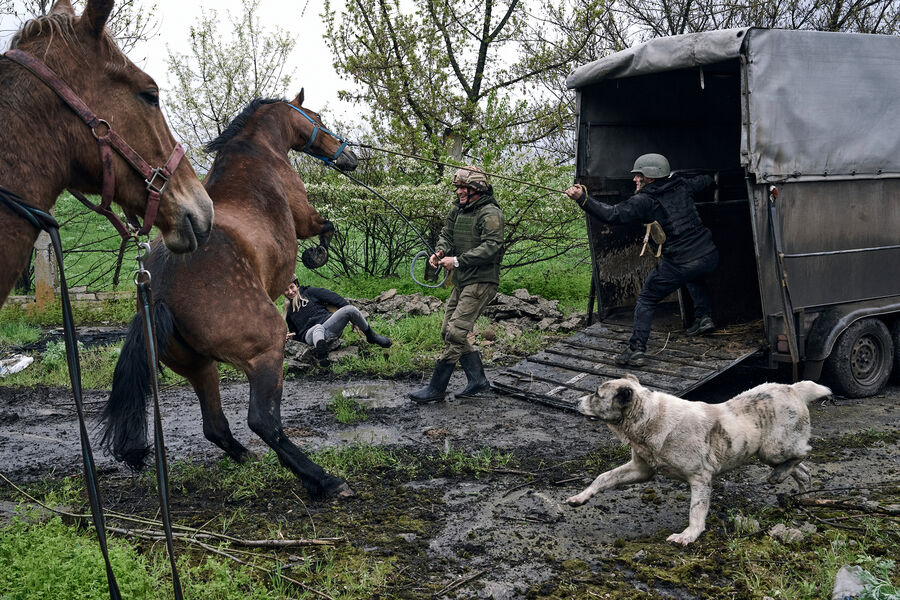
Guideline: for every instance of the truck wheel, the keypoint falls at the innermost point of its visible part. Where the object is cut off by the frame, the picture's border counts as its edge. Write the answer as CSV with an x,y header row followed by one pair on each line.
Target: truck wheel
x,y
895,336
860,362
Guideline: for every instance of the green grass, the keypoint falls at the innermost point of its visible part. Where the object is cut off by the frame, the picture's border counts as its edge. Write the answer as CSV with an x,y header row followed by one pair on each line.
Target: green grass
x,y
117,311
771,568
346,410
17,331
53,561
566,279
360,459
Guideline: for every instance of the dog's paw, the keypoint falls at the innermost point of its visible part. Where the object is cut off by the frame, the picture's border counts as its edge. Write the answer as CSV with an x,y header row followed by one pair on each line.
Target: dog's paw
x,y
684,538
576,500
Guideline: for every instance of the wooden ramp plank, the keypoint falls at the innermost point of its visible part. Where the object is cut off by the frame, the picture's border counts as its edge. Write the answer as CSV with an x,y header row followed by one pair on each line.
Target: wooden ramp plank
x,y
559,375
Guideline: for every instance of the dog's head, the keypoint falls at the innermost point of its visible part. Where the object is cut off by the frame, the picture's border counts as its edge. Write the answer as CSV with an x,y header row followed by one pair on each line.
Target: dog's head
x,y
611,400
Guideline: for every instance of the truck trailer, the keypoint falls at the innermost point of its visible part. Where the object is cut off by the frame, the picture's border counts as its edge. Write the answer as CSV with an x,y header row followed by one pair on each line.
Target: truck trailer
x,y
801,130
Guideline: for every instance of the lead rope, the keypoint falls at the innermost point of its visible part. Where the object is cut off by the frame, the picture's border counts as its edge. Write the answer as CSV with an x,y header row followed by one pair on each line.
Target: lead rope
x,y
145,310
45,222
421,253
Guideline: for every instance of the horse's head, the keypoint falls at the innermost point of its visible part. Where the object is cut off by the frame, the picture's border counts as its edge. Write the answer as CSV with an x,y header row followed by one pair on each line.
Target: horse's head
x,y
83,55
324,142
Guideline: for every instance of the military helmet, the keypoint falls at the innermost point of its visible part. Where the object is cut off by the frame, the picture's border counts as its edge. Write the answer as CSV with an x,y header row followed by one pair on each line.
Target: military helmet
x,y
473,177
654,166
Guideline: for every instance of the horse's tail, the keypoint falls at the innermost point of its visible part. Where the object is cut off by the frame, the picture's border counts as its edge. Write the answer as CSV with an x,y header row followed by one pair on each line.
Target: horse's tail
x,y
125,415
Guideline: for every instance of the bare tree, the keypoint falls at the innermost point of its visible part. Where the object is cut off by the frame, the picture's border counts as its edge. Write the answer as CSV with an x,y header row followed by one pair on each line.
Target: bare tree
x,y
221,75
654,18
447,77
130,22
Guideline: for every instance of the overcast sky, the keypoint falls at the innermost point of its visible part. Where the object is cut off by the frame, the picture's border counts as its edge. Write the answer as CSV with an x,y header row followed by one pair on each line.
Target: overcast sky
x,y
311,59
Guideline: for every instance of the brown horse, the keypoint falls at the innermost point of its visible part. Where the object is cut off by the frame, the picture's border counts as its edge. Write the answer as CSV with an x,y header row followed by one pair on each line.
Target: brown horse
x,y
215,304
47,148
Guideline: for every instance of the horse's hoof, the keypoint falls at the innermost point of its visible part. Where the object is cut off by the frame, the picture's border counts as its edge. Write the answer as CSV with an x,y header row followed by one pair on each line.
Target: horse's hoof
x,y
340,490
313,258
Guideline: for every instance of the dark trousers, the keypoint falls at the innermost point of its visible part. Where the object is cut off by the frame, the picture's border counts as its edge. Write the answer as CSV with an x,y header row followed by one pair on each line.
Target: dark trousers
x,y
666,278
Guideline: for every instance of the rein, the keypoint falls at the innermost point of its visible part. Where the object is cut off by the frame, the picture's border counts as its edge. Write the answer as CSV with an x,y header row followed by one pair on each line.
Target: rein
x,y
421,253
156,180
45,222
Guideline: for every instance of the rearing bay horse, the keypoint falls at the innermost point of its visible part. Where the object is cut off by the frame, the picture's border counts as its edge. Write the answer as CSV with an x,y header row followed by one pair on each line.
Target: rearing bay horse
x,y
48,147
216,304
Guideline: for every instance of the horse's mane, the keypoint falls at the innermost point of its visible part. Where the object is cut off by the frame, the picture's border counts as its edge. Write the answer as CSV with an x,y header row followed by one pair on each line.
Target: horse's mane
x,y
60,25
238,123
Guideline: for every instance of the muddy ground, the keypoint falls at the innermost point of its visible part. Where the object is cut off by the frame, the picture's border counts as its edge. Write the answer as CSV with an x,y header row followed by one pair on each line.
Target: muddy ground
x,y
504,534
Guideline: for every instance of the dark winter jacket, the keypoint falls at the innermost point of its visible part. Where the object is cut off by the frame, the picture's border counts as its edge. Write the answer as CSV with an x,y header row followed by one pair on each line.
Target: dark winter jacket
x,y
313,310
671,203
474,235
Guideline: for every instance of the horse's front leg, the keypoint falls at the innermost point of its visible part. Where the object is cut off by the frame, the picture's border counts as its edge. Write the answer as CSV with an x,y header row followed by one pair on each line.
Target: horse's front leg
x,y
313,258
264,418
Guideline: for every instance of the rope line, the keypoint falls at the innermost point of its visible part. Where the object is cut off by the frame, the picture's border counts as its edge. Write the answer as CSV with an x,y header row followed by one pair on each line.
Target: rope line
x,y
421,254
443,164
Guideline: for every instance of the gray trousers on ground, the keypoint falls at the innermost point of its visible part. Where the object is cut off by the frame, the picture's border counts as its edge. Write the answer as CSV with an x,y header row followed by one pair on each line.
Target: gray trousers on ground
x,y
335,324
463,308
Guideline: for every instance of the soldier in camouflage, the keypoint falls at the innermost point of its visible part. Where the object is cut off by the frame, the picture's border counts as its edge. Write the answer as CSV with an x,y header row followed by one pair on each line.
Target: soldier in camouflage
x,y
471,246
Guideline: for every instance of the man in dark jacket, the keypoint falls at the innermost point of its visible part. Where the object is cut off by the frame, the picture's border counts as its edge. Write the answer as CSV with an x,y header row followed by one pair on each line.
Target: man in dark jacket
x,y
471,245
688,255
309,319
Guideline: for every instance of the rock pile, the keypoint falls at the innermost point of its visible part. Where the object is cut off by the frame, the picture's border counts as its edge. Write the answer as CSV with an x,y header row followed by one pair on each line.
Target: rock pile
x,y
513,314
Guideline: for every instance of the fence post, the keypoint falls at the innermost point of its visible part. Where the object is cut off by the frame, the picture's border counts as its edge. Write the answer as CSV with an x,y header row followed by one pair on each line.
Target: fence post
x,y
45,273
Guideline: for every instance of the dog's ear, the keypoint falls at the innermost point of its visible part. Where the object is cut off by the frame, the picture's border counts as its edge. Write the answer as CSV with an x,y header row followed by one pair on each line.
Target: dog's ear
x,y
631,377
623,396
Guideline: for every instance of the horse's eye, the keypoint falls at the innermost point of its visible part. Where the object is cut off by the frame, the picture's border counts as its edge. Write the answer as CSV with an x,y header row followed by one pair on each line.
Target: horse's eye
x,y
151,97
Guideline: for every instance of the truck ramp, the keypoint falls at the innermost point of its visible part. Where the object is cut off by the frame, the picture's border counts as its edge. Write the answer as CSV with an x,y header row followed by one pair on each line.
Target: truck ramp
x,y
676,363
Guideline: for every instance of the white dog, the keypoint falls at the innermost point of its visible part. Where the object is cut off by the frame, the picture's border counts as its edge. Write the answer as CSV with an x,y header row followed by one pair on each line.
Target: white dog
x,y
694,441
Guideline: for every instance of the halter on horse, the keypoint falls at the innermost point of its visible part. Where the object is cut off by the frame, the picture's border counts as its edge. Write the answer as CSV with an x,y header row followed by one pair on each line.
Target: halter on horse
x,y
216,305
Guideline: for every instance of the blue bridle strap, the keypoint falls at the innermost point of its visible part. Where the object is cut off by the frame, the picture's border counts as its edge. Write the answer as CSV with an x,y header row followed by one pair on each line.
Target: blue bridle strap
x,y
312,138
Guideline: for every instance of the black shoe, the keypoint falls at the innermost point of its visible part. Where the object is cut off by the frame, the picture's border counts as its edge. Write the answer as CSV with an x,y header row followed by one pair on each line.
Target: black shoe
x,y
701,326
374,338
436,388
477,382
633,358
320,350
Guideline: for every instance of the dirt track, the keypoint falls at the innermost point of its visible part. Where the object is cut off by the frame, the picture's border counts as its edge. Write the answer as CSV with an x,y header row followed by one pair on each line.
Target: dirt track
x,y
516,528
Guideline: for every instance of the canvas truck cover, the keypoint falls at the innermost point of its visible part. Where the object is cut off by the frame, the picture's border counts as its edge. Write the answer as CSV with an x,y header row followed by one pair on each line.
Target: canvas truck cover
x,y
817,105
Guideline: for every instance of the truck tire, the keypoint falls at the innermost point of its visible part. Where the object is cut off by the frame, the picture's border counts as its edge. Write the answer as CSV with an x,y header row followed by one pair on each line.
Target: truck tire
x,y
895,336
862,358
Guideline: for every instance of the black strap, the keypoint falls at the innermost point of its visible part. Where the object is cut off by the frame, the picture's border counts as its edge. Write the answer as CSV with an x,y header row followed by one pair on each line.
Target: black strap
x,y
44,221
145,309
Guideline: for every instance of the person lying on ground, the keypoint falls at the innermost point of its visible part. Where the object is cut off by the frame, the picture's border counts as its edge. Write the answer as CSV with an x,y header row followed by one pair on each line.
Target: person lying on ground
x,y
308,317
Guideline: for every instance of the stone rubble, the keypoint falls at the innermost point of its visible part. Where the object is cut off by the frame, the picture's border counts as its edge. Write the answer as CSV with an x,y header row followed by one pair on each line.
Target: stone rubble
x,y
514,314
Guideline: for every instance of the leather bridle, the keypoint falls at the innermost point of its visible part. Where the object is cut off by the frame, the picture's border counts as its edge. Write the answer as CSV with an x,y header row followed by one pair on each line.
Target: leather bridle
x,y
108,140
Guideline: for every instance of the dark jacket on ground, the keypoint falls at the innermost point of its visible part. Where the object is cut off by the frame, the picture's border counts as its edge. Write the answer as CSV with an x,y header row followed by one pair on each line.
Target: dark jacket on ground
x,y
474,235
313,310
671,203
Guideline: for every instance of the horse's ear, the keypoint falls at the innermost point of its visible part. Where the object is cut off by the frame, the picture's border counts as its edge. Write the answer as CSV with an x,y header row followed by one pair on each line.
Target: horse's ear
x,y
95,15
299,99
62,7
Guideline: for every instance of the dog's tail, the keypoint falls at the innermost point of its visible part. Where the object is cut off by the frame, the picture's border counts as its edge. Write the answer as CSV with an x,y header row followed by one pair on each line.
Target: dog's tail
x,y
810,391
